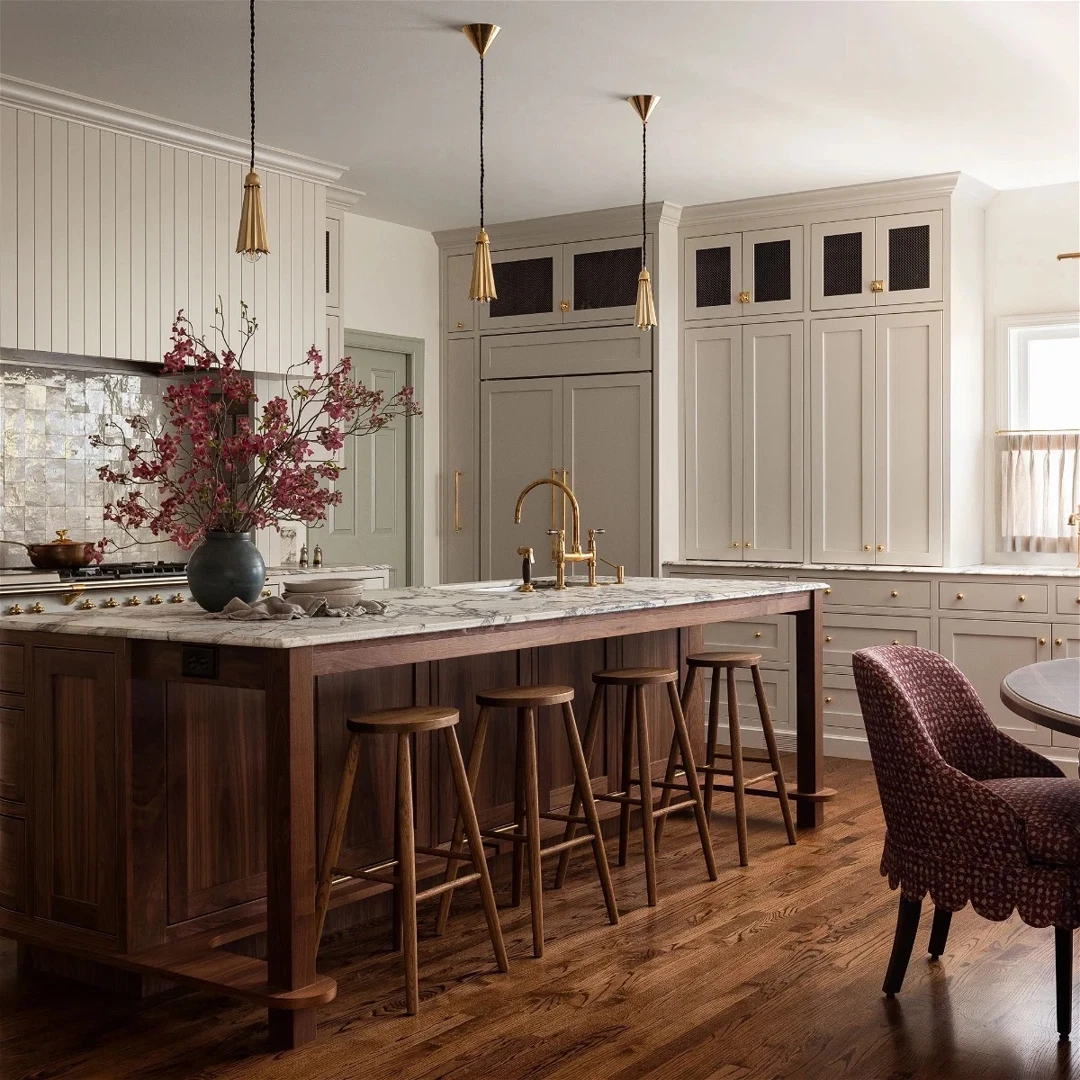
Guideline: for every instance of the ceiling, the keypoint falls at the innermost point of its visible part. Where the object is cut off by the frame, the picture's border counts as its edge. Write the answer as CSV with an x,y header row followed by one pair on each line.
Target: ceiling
x,y
758,98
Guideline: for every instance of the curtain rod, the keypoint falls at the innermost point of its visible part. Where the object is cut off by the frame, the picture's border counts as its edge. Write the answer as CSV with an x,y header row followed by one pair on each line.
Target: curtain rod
x,y
1036,431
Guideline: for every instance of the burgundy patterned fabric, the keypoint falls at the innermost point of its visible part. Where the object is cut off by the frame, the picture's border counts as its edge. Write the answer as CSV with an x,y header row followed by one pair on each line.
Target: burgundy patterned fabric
x,y
971,815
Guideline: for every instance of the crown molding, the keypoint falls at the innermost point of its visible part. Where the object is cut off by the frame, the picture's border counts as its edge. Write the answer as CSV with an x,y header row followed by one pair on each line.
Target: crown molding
x,y
941,185
63,105
565,228
342,198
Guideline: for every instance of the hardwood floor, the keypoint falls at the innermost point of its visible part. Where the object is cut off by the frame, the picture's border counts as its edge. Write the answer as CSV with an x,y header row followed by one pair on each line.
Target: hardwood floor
x,y
774,971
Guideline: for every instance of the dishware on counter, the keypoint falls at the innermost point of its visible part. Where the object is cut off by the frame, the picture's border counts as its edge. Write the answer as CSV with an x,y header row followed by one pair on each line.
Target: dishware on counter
x,y
59,554
344,590
225,565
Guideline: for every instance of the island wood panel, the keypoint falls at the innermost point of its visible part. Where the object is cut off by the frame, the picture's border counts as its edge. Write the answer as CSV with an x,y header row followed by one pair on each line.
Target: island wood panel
x,y
12,669
216,781
73,802
12,754
14,871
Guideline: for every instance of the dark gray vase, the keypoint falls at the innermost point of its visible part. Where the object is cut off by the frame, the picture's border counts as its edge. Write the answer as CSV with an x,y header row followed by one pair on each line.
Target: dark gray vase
x,y
225,565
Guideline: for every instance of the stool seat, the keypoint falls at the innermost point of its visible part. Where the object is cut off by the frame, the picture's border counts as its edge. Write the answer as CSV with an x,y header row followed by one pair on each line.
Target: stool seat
x,y
636,676
408,719
525,697
738,658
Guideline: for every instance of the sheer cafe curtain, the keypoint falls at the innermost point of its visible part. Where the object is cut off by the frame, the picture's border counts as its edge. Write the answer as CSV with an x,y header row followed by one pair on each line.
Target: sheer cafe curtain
x,y
1039,487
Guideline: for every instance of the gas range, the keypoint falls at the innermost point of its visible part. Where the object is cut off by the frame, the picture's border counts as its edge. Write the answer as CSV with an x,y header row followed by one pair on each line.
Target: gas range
x,y
108,585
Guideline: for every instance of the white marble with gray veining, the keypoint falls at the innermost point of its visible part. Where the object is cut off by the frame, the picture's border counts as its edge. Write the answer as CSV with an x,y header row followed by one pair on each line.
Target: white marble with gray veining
x,y
1010,571
410,611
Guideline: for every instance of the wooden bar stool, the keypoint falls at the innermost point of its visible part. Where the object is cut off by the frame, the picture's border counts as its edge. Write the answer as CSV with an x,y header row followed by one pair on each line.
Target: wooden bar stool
x,y
403,723
728,662
636,730
525,835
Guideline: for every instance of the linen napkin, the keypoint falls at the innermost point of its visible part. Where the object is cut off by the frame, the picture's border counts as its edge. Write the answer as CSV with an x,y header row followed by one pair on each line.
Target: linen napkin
x,y
298,606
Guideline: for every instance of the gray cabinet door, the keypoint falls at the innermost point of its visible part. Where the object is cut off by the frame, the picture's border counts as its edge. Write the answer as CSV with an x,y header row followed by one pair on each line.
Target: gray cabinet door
x,y
461,479
607,449
521,426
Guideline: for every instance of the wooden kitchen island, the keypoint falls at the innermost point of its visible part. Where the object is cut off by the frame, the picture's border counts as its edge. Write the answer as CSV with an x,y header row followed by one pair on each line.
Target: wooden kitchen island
x,y
166,779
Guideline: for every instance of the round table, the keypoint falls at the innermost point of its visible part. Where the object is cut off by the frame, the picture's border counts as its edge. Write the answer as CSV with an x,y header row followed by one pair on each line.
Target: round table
x,y
1047,694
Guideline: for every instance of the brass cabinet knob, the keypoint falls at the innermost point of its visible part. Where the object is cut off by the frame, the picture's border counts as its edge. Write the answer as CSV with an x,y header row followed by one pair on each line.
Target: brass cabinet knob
x,y
881,547
877,285
747,544
1042,641
1059,641
866,547
959,596
268,592
744,298
827,700
38,607
156,599
133,602
828,638
1021,598
86,605
895,593
896,641
564,306
460,325
828,590
1078,599
735,544
111,602
757,633
177,598
15,609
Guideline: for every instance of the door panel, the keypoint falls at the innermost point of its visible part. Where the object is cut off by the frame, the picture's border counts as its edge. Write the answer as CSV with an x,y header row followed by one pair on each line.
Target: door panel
x,y
842,440
773,270
712,276
600,278
842,264
714,443
461,488
772,441
521,427
529,284
909,258
460,310
908,450
607,446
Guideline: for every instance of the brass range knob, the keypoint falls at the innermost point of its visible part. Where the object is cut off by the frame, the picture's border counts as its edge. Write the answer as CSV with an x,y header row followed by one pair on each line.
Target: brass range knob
x,y
86,605
133,602
111,602
176,598
38,607
15,609
155,599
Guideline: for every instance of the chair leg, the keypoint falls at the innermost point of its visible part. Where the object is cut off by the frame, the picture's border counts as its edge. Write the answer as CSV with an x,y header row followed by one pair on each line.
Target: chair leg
x,y
1063,964
337,833
591,728
907,926
407,873
583,788
627,773
532,813
518,855
711,735
467,815
646,789
690,768
476,755
673,757
939,932
774,753
735,737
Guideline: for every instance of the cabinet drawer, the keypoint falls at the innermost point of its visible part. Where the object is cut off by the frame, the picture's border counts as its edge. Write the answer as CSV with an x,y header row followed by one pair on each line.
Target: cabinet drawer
x,y
841,707
12,863
767,636
12,754
1068,599
983,596
844,634
777,691
12,678
851,592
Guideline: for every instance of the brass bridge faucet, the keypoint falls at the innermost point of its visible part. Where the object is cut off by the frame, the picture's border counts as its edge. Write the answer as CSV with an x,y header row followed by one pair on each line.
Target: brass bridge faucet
x,y
561,555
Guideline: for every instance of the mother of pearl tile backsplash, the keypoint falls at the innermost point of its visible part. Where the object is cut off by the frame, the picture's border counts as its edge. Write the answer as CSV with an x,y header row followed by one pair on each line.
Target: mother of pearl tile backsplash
x,y
48,470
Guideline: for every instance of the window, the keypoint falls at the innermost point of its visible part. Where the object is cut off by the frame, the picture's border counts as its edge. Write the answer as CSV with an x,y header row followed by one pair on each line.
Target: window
x,y
1038,445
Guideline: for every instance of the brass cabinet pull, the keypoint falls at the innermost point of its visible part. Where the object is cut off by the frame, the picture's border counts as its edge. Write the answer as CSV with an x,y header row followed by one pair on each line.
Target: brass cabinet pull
x,y
828,638
1021,598
757,633
1042,641
1059,641
896,641
564,306
827,700
959,596
460,325
828,590
877,285
457,500
744,298
895,593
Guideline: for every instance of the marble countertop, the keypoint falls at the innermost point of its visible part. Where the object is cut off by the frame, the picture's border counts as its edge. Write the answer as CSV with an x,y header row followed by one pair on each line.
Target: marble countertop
x,y
432,610
295,570
1008,571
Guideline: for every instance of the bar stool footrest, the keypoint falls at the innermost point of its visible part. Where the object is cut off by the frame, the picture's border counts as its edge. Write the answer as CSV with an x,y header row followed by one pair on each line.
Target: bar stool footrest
x,y
767,793
747,758
446,886
727,772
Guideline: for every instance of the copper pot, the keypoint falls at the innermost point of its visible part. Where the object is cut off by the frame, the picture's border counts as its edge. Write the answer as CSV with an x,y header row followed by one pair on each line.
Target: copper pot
x,y
59,554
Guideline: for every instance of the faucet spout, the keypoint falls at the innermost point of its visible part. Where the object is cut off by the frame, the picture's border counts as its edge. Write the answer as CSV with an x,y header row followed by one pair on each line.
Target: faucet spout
x,y
574,509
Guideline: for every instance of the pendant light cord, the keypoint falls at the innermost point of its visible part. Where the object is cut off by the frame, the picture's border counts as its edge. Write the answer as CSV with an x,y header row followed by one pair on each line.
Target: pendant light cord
x,y
251,82
481,141
644,128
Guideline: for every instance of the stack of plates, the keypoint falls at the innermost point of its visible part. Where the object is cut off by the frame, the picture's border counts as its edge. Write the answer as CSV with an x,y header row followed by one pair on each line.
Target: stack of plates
x,y
339,590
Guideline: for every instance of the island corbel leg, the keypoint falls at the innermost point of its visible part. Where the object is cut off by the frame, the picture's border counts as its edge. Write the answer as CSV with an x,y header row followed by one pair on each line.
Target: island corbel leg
x,y
290,838
810,761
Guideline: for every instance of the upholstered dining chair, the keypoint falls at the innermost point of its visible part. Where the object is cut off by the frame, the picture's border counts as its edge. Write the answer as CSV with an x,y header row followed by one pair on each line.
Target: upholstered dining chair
x,y
971,815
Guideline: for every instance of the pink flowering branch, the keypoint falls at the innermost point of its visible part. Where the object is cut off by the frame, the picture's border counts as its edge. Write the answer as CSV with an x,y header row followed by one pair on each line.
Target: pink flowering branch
x,y
212,468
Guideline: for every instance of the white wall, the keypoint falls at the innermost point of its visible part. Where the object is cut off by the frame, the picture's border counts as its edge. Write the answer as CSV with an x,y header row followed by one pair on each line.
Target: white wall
x,y
391,286
1025,230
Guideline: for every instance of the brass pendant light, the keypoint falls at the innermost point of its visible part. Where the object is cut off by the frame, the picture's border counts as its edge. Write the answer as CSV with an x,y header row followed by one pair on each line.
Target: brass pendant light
x,y
251,241
482,285
645,313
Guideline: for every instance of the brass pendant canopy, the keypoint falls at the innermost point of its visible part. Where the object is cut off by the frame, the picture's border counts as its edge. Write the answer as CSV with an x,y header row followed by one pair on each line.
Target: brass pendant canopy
x,y
481,35
645,313
643,105
251,241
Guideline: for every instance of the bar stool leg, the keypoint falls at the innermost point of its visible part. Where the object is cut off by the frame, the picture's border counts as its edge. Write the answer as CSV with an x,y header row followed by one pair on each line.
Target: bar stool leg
x,y
583,788
519,812
591,728
467,816
627,773
692,779
673,755
711,735
407,873
774,753
337,833
532,811
646,789
735,736
476,755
